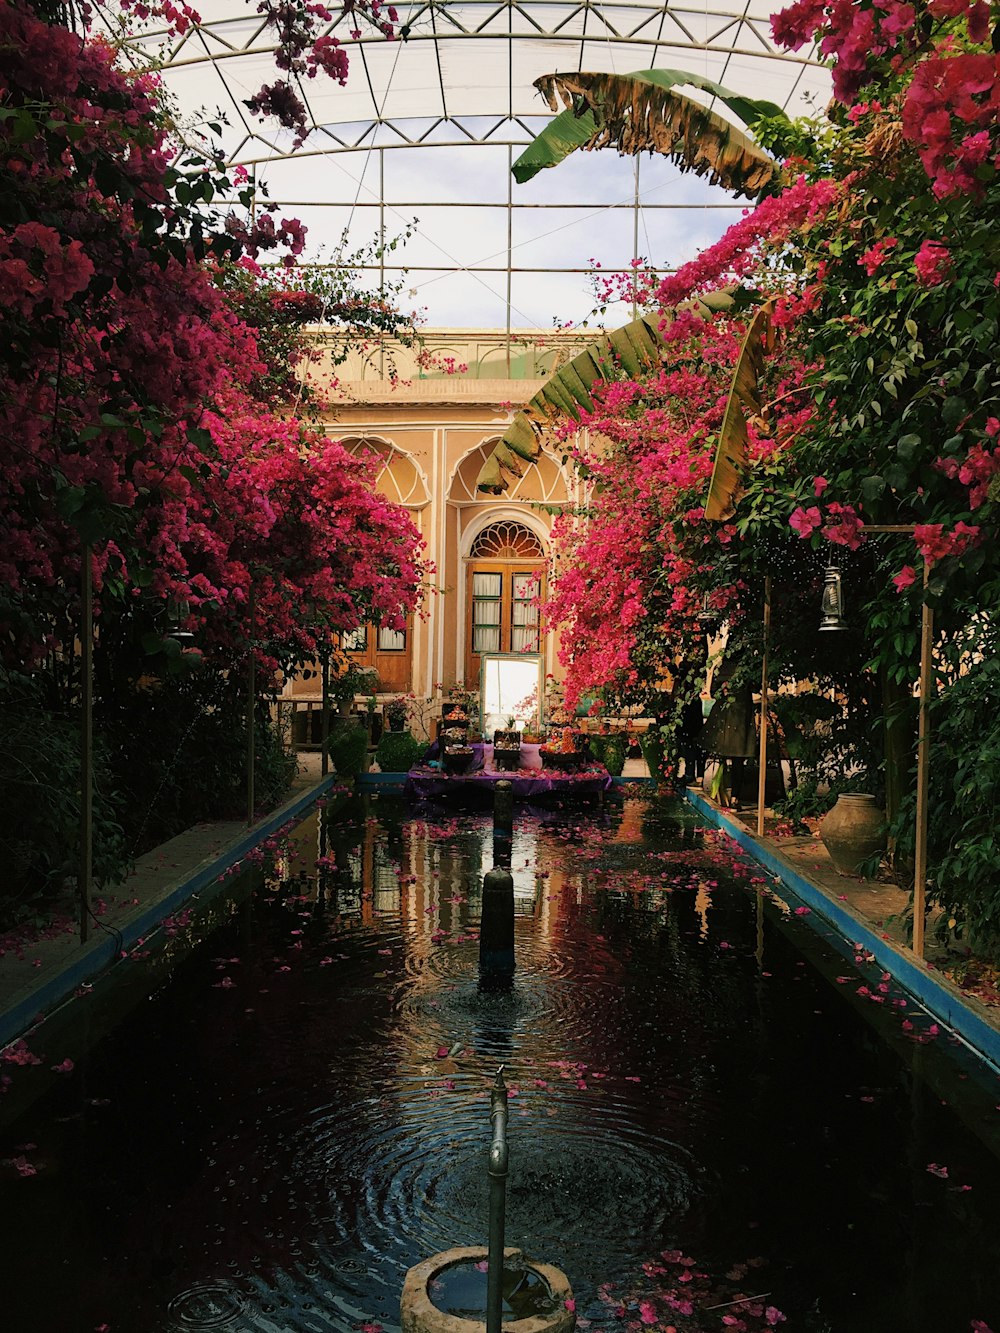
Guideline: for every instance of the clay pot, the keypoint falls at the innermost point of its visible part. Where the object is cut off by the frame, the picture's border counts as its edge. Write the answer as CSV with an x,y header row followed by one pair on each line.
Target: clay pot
x,y
853,831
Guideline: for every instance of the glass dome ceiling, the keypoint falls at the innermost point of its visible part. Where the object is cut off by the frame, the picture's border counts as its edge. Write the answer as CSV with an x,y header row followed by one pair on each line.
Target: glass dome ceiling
x,y
427,128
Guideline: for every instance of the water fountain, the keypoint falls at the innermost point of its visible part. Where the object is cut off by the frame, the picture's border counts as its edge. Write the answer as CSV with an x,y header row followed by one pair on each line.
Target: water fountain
x,y
447,1293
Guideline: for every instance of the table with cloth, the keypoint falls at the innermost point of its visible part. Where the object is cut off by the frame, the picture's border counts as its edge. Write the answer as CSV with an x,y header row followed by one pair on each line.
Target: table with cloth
x,y
531,779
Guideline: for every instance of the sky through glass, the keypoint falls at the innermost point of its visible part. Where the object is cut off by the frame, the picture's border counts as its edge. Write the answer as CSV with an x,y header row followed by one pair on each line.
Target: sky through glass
x,y
424,133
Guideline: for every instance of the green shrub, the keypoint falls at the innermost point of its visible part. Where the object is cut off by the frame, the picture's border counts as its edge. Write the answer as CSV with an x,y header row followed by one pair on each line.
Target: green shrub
x,y
398,751
40,812
609,751
963,854
178,750
347,746
653,744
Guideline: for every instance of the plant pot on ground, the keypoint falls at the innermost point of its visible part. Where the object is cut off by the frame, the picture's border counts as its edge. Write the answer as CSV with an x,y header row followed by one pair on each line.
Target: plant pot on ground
x,y
398,751
347,746
853,832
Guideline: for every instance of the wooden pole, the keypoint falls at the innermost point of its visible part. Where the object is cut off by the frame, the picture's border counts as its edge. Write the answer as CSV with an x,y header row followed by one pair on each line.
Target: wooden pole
x,y
923,764
762,759
251,714
324,723
86,870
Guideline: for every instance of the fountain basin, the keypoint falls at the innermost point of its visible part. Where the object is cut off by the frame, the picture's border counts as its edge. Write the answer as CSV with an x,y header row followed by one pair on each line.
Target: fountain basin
x,y
546,1288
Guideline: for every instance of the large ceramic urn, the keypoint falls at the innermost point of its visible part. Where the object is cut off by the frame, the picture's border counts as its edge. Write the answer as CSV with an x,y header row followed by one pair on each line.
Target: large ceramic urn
x,y
853,831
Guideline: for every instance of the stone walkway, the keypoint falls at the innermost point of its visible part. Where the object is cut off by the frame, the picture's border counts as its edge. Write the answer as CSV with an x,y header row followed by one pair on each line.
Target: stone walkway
x,y
36,974
864,912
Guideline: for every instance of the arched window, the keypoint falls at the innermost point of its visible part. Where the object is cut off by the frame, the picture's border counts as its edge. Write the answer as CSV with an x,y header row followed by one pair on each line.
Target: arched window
x,y
507,540
506,573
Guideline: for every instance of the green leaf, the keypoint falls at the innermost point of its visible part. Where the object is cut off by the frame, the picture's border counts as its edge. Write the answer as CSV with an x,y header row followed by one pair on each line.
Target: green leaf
x,y
200,438
642,112
953,410
744,395
567,392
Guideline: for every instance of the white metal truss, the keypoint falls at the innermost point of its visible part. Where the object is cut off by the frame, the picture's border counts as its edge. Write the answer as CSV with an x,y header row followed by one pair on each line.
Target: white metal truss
x,y
462,80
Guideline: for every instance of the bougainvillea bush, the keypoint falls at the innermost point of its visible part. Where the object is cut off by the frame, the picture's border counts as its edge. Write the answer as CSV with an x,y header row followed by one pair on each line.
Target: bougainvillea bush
x,y
879,404
143,427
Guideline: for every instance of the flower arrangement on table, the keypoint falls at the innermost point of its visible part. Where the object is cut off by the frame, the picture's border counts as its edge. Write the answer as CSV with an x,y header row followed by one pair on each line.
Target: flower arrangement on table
x,y
568,751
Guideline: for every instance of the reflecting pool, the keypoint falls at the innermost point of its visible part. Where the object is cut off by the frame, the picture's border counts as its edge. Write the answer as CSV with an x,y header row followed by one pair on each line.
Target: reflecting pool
x,y
718,1120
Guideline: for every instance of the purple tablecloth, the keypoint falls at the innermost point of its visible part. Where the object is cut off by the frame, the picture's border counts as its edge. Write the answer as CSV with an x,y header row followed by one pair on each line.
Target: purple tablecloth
x,y
527,783
482,757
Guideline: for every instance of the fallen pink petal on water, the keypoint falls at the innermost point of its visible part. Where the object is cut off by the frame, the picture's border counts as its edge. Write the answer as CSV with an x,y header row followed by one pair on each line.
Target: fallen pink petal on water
x,y
66,1067
935,1170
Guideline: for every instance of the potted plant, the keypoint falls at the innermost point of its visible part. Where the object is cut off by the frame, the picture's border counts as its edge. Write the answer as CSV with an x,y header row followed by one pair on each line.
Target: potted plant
x,y
398,751
396,713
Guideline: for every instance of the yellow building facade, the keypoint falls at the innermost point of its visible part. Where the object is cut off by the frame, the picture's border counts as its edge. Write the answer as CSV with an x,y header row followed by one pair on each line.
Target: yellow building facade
x,y
433,430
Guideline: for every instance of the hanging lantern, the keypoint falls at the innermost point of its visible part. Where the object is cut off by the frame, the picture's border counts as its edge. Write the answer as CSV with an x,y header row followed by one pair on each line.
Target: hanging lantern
x,y
832,604
178,611
707,616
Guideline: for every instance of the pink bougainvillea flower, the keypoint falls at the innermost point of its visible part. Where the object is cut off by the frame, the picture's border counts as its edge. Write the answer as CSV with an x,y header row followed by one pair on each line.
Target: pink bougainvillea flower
x,y
647,1312
819,486
804,521
570,1305
65,1067
904,578
933,263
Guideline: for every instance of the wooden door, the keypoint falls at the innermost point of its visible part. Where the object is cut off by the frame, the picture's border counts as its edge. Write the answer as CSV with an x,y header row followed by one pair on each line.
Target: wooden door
x,y
503,610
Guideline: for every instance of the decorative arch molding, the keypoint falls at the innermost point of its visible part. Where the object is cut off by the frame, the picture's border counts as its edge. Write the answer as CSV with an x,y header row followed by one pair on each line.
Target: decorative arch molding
x,y
401,478
544,482
503,513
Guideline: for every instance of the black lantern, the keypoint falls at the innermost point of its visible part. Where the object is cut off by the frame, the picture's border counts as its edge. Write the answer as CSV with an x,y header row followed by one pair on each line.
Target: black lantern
x,y
832,604
178,610
708,615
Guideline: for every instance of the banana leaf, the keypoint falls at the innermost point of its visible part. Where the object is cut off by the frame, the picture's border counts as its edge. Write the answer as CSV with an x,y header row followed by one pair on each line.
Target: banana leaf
x,y
635,346
643,111
744,395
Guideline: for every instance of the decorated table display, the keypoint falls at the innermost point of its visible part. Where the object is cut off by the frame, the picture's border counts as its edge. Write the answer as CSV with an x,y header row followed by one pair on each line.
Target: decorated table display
x,y
507,748
529,780
569,753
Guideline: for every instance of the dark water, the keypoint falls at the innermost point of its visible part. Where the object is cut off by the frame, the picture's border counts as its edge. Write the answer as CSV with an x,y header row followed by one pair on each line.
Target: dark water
x,y
461,1290
703,1108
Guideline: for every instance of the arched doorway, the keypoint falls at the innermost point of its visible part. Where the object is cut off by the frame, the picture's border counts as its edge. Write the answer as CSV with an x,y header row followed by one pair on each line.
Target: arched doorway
x,y
505,574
